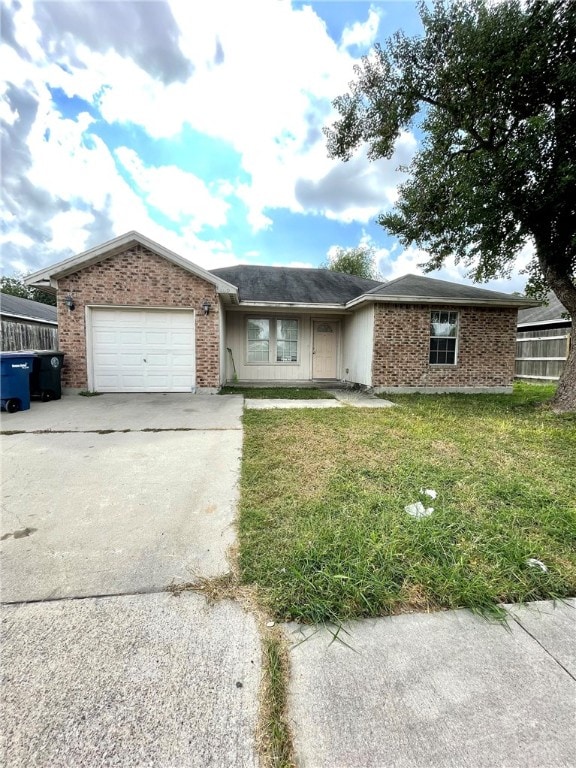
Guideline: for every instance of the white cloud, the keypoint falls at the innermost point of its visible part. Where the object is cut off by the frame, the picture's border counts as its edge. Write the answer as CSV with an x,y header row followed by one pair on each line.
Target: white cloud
x,y
261,82
176,193
396,262
296,265
362,33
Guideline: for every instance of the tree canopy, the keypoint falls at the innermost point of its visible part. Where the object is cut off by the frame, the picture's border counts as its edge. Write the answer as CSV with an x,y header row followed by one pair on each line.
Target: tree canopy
x,y
492,87
357,261
15,286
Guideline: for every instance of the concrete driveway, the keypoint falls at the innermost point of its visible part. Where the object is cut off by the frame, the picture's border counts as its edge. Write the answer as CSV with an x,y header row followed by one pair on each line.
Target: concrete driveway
x,y
117,494
109,500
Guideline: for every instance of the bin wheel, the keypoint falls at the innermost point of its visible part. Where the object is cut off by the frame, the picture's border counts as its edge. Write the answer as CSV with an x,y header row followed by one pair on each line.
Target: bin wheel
x,y
12,405
47,395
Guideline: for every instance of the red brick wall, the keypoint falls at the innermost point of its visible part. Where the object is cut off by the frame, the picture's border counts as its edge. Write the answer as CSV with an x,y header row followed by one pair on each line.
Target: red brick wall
x,y
486,347
138,278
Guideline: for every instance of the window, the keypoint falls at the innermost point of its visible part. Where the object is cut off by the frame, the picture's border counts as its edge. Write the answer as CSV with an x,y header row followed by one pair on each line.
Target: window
x,y
443,337
258,341
272,341
286,341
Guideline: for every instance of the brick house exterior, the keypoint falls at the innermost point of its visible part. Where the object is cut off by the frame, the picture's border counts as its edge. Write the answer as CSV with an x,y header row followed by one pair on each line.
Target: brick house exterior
x,y
146,319
401,343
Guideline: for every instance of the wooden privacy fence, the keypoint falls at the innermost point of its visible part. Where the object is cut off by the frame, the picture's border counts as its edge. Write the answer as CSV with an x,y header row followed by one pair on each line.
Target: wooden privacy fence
x,y
542,354
27,336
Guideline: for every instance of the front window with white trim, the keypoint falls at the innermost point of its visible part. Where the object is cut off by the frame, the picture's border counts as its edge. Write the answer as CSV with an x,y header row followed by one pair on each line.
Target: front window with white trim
x,y
272,341
443,338
258,349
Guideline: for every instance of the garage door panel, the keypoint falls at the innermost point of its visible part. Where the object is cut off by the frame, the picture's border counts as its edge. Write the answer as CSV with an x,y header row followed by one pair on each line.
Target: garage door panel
x,y
180,360
158,360
157,338
107,360
143,350
182,339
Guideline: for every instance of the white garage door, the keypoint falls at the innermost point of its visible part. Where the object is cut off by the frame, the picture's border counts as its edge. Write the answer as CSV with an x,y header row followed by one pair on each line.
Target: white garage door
x,y
143,350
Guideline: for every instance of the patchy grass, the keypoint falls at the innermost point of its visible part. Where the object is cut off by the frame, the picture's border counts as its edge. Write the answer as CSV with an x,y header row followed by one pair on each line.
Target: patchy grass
x,y
275,393
324,534
89,393
277,740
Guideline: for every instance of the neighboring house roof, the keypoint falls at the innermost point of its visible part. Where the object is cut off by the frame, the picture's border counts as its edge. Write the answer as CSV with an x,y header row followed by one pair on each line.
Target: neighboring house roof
x,y
26,309
544,315
46,278
291,285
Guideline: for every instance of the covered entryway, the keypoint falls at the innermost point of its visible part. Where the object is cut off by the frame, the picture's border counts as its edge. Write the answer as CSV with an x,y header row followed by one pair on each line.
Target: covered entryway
x,y
325,349
142,350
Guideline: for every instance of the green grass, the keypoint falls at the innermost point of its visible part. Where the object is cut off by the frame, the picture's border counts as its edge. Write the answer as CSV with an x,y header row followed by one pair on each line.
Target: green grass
x,y
278,745
324,534
272,393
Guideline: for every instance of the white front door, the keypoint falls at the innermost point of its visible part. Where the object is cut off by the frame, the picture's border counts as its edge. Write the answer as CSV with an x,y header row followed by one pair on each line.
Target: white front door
x,y
325,349
143,350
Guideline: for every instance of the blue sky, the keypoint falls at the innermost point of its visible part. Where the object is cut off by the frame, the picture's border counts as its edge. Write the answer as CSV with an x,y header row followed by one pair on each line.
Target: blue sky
x,y
197,124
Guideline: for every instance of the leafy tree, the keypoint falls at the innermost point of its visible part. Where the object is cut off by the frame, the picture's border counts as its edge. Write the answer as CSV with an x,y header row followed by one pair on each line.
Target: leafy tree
x,y
15,286
357,261
494,86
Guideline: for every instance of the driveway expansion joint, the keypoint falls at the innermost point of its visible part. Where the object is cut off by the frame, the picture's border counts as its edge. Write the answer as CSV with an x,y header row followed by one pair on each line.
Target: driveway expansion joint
x,y
63,598
538,642
8,432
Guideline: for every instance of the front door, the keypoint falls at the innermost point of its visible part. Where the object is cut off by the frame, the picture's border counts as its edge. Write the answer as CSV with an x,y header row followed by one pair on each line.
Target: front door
x,y
325,349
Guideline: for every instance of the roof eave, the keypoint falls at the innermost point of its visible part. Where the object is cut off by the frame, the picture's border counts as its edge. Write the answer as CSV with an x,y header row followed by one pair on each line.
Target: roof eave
x,y
554,321
112,248
291,305
29,318
470,302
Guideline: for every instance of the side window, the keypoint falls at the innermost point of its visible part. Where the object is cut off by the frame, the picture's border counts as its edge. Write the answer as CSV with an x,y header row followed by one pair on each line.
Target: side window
x,y
443,338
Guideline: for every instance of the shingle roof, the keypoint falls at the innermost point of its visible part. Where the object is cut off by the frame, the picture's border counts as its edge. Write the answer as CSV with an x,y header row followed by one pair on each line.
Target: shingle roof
x,y
321,286
432,288
18,307
294,285
548,313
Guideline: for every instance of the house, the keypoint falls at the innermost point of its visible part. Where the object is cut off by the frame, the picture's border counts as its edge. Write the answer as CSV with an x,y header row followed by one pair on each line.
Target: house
x,y
136,317
27,324
543,341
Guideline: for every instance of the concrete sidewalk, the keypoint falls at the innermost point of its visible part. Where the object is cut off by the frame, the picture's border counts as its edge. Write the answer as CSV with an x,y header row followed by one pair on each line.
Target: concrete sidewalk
x,y
137,680
439,690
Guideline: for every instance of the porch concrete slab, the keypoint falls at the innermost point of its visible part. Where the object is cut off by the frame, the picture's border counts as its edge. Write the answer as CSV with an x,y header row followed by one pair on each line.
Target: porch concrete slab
x,y
75,413
553,625
87,514
429,691
129,681
262,405
360,399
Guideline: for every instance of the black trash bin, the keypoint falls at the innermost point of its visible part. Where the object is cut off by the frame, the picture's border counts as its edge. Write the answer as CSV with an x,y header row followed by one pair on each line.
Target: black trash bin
x,y
45,379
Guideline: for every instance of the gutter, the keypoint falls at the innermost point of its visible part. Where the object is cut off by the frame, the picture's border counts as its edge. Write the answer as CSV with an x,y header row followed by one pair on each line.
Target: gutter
x,y
26,317
291,305
514,304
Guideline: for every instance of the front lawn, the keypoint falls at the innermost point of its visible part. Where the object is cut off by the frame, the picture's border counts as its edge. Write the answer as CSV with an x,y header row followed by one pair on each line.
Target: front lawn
x,y
324,533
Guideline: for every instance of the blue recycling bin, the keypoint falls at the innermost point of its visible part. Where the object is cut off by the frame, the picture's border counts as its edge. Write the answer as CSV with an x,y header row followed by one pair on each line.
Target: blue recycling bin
x,y
15,370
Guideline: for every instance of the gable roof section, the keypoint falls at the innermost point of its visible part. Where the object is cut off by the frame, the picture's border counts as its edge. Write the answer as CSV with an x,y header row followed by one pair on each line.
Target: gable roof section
x,y
417,289
546,314
290,285
47,277
26,309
